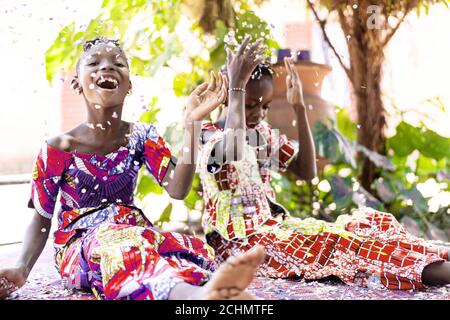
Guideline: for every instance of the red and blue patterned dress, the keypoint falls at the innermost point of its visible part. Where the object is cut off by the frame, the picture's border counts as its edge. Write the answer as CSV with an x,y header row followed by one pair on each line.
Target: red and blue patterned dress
x,y
365,247
103,242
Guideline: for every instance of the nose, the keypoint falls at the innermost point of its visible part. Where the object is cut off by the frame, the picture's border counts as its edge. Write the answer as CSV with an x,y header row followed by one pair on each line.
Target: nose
x,y
106,65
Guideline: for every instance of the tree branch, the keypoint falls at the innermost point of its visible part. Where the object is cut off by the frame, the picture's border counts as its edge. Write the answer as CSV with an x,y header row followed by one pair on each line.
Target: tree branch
x,y
394,30
322,24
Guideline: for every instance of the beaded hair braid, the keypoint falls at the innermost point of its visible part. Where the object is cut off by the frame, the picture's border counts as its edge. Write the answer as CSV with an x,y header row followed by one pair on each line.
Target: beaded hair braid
x,y
98,40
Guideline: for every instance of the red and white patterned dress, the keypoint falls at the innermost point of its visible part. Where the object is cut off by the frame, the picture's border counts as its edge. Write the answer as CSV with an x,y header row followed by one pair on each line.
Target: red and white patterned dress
x,y
241,211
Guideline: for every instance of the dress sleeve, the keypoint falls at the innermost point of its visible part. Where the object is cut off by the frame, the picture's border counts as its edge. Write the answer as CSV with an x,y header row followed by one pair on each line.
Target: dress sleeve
x,y
281,149
207,158
47,173
157,155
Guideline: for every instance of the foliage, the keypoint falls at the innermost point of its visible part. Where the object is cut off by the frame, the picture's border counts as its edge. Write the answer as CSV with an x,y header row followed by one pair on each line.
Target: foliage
x,y
368,26
149,32
419,157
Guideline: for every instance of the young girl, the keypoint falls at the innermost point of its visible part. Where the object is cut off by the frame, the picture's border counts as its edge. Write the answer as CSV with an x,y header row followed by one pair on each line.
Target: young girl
x,y
241,211
103,242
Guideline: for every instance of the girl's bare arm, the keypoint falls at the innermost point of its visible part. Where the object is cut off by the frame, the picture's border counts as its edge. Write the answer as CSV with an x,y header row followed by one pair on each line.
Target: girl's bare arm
x,y
204,99
34,242
304,165
240,66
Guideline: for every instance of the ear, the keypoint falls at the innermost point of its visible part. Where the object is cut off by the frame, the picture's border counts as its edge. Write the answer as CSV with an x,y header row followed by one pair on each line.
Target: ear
x,y
75,85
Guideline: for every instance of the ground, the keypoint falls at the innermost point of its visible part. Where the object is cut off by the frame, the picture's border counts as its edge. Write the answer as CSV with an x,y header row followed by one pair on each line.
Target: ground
x,y
44,284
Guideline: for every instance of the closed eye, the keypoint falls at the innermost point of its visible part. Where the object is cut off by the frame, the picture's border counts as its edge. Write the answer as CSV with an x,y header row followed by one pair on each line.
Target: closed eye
x,y
120,65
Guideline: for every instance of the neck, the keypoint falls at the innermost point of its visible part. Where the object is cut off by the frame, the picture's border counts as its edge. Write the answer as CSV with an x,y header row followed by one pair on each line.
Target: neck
x,y
106,120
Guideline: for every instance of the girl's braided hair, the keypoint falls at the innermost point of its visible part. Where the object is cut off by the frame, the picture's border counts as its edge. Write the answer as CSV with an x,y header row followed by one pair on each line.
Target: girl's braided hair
x,y
98,40
262,69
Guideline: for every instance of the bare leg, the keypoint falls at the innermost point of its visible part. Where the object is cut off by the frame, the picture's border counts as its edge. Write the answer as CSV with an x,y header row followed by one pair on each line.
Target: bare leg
x,y
436,274
228,282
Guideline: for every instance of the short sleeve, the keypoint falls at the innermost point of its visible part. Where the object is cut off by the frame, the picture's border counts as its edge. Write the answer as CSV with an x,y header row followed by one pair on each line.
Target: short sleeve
x,y
156,154
281,149
208,159
47,173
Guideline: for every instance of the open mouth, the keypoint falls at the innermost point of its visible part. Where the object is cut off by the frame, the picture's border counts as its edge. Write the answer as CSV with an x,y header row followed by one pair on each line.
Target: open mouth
x,y
107,82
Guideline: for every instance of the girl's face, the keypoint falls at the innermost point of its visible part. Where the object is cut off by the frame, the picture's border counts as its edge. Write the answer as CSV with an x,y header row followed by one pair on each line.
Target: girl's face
x,y
257,100
104,76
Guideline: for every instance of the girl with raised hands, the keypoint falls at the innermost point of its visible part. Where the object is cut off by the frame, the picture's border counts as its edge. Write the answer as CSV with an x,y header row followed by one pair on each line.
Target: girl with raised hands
x,y
103,242
240,150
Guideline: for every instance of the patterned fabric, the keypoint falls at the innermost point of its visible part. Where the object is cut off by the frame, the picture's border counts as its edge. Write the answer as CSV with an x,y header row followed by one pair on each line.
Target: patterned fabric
x,y
102,241
363,247
238,196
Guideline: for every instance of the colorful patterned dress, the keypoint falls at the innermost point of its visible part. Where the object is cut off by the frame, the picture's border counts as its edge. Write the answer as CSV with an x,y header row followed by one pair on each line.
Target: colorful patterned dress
x,y
365,247
103,242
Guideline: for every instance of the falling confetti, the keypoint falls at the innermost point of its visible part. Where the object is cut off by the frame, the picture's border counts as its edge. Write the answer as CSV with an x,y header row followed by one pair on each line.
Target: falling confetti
x,y
115,115
43,230
91,86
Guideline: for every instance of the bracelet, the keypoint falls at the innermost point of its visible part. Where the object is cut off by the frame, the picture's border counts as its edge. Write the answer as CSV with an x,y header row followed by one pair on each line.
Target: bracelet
x,y
236,89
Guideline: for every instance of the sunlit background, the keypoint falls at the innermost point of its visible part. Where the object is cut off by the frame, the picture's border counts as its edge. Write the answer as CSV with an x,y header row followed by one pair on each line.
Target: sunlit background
x,y
417,69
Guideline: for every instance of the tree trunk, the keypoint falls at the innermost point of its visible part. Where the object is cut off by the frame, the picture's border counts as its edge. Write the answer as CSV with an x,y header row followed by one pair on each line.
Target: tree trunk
x,y
371,122
366,60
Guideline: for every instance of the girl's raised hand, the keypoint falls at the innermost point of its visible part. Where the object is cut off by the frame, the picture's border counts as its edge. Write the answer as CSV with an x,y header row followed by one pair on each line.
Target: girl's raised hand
x,y
205,98
294,91
241,64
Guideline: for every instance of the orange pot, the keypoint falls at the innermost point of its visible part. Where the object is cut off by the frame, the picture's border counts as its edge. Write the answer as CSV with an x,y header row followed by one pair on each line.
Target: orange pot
x,y
281,114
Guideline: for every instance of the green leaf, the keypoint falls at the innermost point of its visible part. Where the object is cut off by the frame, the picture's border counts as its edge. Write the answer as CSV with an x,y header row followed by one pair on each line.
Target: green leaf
x,y
385,190
165,215
379,160
342,192
61,54
420,204
345,125
435,146
147,185
406,140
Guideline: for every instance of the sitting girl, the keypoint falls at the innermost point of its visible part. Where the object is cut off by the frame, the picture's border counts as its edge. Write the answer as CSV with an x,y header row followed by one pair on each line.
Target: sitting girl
x,y
241,211
103,242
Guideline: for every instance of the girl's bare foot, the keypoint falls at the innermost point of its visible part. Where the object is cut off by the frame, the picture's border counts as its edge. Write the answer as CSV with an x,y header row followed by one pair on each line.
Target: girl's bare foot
x,y
233,277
